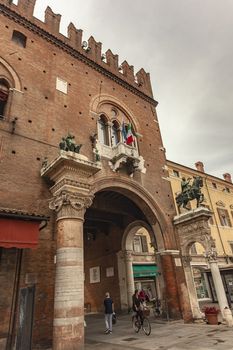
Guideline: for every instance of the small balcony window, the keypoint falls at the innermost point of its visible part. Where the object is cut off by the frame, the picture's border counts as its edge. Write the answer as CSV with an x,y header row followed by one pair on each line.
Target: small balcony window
x,y
115,130
103,130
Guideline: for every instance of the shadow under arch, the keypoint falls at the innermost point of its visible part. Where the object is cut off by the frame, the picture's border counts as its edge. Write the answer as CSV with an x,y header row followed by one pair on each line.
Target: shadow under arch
x,y
142,198
15,81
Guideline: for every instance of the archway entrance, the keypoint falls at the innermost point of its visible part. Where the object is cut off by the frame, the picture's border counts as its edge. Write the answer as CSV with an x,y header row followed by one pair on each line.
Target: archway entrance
x,y
119,251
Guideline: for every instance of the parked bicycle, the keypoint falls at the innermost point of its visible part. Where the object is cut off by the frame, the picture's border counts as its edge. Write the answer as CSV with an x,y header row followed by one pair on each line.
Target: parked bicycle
x,y
141,322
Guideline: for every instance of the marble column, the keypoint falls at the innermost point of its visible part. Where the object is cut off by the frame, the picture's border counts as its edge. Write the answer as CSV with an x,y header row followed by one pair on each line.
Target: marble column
x,y
211,256
129,276
70,174
68,331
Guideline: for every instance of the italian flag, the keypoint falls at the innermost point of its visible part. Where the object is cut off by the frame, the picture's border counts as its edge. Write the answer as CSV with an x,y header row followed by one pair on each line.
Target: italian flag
x,y
129,136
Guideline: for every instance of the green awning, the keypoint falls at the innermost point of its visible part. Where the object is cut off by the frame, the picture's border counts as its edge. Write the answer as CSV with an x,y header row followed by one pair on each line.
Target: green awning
x,y
145,270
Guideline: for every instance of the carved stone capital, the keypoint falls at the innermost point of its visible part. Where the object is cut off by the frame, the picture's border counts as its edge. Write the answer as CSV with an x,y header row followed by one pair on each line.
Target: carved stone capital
x,y
70,205
128,256
211,255
186,260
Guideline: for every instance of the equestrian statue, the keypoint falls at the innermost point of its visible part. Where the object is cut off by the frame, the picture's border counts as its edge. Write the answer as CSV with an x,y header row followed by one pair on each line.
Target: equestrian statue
x,y
68,144
190,192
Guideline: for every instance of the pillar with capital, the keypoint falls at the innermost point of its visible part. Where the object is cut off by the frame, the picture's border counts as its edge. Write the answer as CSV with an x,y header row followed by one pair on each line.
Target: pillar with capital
x,y
129,276
211,256
70,174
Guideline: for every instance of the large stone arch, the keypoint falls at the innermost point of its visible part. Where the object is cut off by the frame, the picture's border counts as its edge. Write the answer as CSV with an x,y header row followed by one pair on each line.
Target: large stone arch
x,y
149,206
130,231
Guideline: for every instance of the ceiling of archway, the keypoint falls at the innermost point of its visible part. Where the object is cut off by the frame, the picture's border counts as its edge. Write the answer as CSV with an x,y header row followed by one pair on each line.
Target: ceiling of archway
x,y
111,207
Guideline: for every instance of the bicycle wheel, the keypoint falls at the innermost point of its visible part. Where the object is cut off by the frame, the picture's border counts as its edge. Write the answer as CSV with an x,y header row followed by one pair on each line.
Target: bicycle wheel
x,y
136,324
146,326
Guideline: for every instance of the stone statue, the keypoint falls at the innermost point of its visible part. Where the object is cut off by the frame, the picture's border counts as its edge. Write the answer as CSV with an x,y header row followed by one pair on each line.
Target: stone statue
x,y
190,192
68,144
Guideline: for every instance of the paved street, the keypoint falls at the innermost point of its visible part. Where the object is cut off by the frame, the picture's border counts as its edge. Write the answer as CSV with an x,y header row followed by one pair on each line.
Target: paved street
x,y
164,336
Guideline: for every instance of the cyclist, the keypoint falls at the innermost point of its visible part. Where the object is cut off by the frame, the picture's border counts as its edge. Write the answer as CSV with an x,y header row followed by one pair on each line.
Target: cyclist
x,y
137,306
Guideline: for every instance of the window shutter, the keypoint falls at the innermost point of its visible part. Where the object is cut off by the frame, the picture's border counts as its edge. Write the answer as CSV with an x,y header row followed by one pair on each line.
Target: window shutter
x,y
144,244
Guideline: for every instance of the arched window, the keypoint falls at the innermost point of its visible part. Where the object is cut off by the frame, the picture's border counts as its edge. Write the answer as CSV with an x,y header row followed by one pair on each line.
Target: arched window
x,y
115,133
4,92
103,130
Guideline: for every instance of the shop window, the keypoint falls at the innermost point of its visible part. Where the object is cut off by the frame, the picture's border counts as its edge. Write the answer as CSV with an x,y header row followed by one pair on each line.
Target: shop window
x,y
115,133
140,244
176,173
4,92
224,217
19,38
200,284
103,131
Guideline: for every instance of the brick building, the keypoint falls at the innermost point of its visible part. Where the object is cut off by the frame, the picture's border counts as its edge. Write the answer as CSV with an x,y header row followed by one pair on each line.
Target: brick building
x,y
64,212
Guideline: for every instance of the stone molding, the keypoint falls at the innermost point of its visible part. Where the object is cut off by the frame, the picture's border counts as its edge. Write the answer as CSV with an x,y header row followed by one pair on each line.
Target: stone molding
x,y
168,252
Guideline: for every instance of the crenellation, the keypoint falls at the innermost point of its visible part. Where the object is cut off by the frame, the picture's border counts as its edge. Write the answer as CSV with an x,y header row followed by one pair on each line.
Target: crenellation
x,y
75,36
52,21
143,80
112,60
128,71
94,49
26,7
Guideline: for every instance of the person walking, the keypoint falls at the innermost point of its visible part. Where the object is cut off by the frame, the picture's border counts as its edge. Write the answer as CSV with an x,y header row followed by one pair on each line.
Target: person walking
x,y
109,310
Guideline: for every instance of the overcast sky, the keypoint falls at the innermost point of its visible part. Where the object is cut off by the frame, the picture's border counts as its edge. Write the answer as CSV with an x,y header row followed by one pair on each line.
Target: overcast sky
x,y
187,47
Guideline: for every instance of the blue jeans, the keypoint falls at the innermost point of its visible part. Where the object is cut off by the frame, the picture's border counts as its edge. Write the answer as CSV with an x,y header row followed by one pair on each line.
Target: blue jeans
x,y
108,321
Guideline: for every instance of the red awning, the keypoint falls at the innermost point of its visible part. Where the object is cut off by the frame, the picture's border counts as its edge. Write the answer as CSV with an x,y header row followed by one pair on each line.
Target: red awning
x,y
18,233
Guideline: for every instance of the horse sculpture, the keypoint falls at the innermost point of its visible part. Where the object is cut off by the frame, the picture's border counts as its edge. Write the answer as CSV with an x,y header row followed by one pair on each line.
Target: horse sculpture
x,y
191,192
68,144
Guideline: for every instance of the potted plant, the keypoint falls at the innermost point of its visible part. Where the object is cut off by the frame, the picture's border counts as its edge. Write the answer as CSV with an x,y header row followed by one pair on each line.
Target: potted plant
x,y
211,314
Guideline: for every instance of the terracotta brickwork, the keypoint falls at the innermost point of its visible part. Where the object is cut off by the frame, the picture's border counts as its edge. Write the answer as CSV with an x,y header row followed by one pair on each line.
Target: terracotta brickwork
x,y
36,118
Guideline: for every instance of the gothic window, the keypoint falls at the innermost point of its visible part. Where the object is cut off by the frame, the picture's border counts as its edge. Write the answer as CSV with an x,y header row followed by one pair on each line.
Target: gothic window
x,y
103,130
4,92
224,217
115,130
140,244
19,38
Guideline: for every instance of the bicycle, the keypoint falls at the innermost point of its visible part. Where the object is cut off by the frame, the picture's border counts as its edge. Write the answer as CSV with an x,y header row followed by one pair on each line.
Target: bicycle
x,y
143,323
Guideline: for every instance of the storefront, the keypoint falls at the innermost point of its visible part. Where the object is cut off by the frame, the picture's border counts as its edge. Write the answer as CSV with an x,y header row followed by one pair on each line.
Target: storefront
x,y
145,278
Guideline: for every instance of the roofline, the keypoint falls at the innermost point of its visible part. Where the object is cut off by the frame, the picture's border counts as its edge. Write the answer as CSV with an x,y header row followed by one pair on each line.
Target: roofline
x,y
200,172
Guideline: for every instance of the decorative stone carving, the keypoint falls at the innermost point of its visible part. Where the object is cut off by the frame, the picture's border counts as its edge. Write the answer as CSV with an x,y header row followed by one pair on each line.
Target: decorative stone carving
x,y
69,204
220,204
211,255
186,260
128,255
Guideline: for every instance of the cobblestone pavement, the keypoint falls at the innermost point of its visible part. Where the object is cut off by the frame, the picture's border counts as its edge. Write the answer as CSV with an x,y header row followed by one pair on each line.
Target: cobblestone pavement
x,y
164,336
